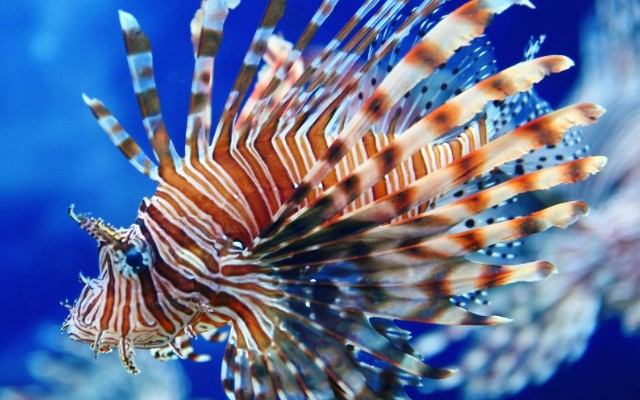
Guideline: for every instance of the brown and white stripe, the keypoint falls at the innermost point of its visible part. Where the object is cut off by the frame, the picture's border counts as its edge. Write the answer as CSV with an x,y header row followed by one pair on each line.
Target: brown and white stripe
x,y
309,230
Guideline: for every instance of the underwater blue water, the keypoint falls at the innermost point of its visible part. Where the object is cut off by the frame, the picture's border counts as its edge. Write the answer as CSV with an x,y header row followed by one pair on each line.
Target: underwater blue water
x,y
54,154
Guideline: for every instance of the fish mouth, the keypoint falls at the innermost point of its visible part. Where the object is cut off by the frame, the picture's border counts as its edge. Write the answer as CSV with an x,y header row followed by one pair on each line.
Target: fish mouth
x,y
106,341
99,342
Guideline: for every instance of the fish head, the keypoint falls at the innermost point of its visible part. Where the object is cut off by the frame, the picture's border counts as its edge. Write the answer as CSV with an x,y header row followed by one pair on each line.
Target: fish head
x,y
119,307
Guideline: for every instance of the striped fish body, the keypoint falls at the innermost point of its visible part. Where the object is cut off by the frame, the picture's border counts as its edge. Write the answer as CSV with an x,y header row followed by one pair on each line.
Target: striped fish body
x,y
321,208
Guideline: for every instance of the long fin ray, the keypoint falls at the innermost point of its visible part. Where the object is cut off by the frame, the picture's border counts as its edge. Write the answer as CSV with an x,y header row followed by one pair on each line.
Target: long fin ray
x,y
206,29
141,68
451,114
417,251
224,138
443,218
437,46
121,139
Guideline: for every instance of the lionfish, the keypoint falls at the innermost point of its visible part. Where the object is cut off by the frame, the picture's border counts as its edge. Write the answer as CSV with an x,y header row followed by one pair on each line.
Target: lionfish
x,y
326,205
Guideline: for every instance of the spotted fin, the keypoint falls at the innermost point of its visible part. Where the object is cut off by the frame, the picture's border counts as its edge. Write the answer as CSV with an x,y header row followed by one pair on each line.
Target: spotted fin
x,y
329,223
454,31
451,114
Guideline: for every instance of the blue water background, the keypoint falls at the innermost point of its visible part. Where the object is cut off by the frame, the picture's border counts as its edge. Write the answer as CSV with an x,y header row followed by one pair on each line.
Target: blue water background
x,y
54,154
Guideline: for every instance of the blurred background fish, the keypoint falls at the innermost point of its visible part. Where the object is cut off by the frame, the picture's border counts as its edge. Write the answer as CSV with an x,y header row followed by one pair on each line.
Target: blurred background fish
x,y
598,258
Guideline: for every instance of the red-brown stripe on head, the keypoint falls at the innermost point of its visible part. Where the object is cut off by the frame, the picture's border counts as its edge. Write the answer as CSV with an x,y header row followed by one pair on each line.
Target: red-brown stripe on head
x,y
112,311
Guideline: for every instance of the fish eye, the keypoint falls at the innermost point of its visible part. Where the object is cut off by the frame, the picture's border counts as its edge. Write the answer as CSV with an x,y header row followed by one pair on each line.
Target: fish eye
x,y
135,259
